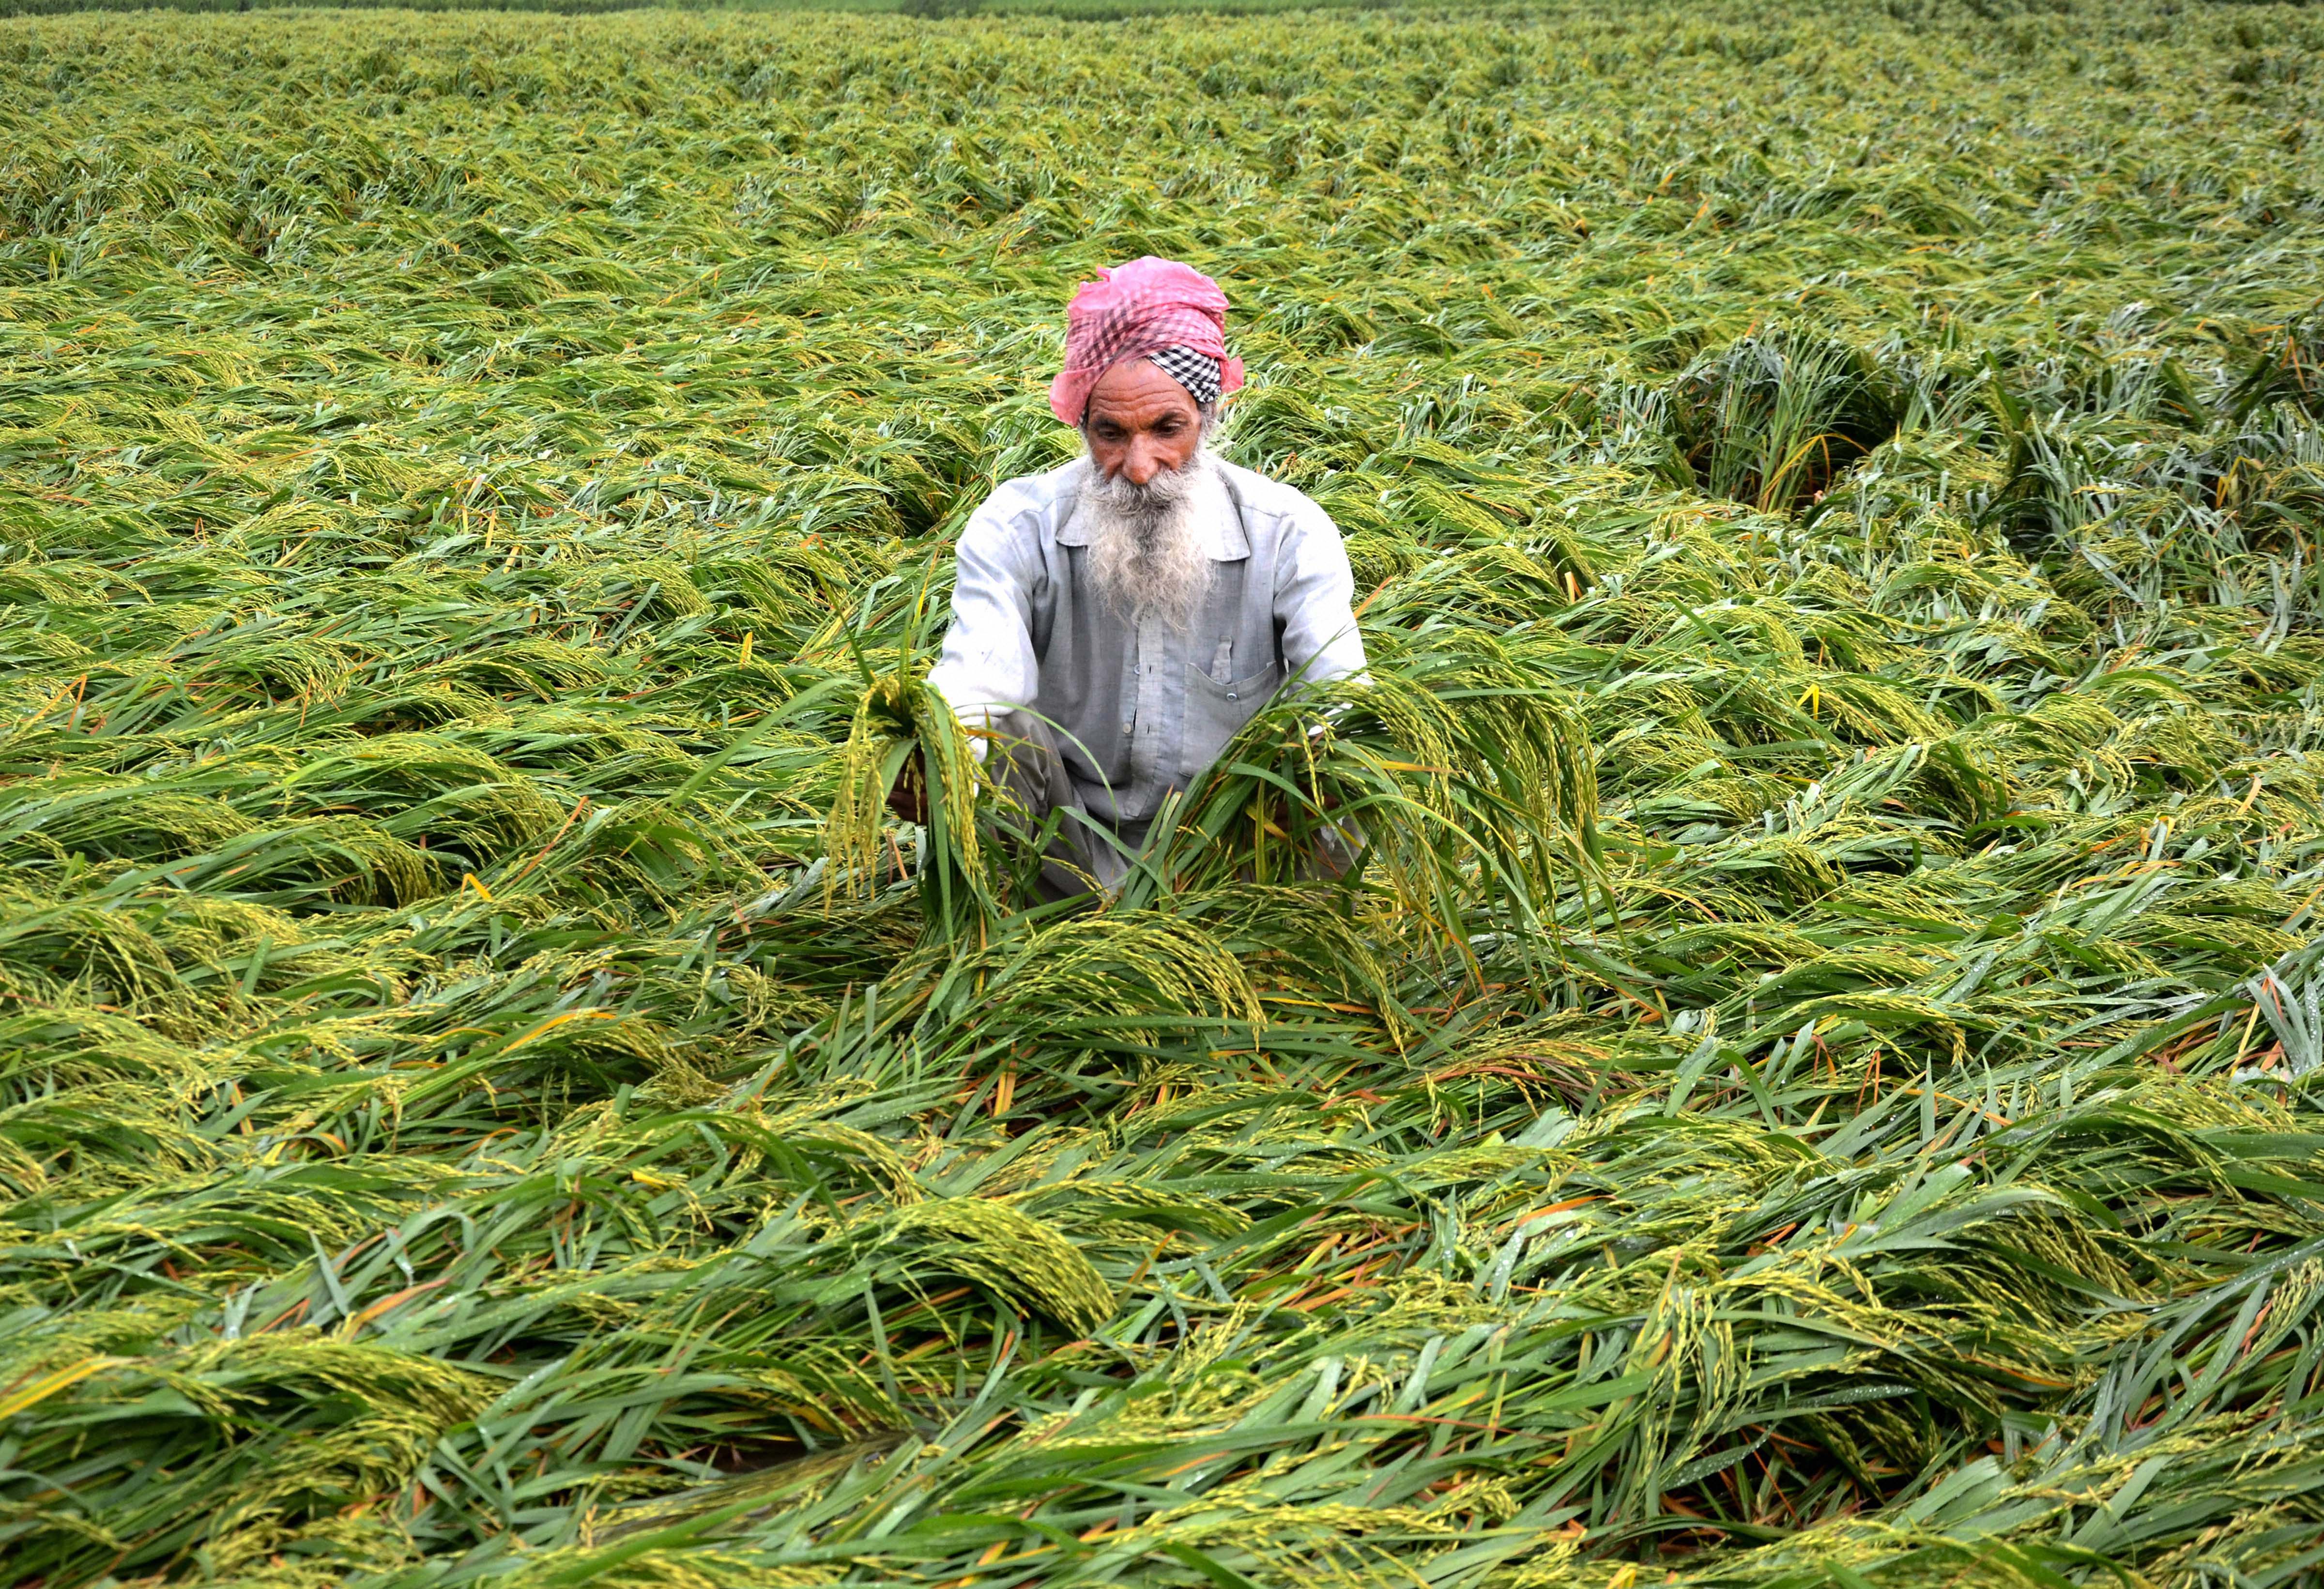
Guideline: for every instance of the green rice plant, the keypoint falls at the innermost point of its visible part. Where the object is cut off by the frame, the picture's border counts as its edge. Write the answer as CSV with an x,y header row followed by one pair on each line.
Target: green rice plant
x,y
1814,1078
1451,770
1774,420
903,728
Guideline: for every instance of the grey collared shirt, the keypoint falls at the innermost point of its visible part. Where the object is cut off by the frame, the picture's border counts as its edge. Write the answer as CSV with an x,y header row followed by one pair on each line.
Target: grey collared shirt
x,y
1141,710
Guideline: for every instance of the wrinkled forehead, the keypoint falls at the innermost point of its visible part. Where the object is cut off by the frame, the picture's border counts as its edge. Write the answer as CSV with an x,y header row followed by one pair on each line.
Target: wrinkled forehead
x,y
1137,394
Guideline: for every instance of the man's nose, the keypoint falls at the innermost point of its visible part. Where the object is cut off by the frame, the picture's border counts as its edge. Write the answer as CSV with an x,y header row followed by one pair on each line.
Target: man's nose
x,y
1143,462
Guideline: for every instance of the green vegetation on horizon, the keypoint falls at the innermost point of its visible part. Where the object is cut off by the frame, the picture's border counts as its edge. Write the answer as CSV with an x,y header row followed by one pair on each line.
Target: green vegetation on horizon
x,y
1817,1084
925,10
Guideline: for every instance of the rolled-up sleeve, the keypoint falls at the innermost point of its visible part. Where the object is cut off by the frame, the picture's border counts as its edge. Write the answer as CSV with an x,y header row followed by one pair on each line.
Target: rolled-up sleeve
x,y
1314,591
988,664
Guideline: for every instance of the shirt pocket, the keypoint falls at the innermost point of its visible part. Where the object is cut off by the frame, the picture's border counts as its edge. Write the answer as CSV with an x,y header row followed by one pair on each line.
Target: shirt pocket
x,y
1216,710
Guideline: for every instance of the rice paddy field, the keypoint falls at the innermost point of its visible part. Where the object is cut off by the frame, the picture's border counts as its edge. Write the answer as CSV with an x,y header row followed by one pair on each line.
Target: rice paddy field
x,y
1817,1081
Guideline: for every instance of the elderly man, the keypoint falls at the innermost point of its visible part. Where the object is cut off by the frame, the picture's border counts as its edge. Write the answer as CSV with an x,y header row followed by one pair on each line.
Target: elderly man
x,y
1117,619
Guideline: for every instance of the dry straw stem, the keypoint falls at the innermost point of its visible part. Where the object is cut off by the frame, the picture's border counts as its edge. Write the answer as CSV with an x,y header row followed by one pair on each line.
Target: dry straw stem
x,y
1812,1082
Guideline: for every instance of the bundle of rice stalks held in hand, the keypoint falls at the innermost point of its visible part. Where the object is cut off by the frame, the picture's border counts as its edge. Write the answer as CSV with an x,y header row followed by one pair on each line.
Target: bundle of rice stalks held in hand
x,y
1453,774
903,733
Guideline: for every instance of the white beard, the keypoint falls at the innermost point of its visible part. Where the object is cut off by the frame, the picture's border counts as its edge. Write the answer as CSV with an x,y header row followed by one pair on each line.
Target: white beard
x,y
1148,553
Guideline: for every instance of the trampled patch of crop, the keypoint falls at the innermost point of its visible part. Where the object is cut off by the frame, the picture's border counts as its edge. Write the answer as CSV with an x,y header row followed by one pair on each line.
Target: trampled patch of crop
x,y
1818,1083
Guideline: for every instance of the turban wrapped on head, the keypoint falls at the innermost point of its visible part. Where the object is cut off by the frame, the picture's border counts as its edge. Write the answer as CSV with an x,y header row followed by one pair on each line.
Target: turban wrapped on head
x,y
1150,308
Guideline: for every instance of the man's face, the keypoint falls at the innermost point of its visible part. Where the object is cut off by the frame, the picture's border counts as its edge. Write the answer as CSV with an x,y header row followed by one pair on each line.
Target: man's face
x,y
1140,422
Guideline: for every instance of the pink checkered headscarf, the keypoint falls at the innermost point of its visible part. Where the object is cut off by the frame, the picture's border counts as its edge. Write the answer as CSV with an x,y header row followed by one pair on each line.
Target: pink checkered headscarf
x,y
1137,311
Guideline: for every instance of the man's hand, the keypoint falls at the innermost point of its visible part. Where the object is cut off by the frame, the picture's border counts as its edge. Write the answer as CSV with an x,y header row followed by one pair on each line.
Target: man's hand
x,y
909,799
